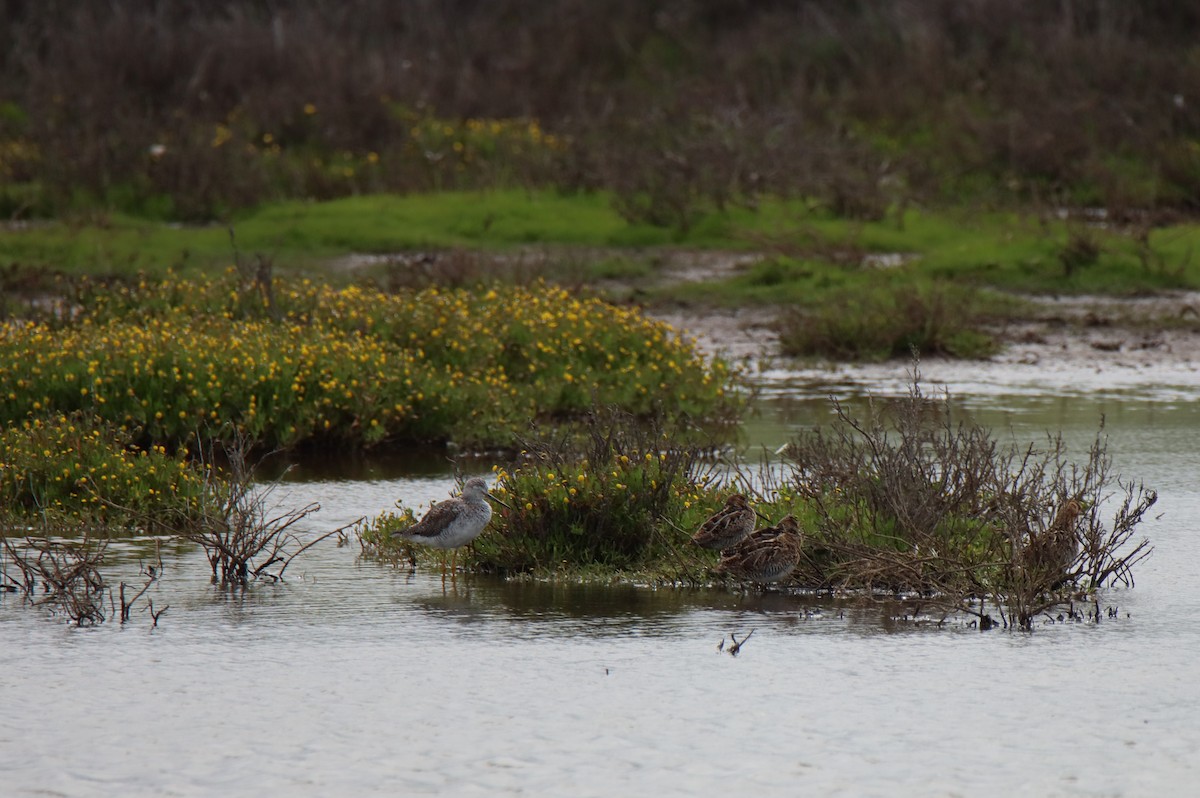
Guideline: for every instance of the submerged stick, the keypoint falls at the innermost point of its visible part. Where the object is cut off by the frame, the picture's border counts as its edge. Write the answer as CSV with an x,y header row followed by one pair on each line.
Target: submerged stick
x,y
737,644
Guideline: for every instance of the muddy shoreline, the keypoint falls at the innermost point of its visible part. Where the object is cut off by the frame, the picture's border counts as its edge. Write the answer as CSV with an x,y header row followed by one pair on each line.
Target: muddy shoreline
x,y
1155,331
1080,331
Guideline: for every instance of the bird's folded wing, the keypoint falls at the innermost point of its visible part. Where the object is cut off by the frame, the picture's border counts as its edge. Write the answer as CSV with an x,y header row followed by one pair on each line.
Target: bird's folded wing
x,y
437,519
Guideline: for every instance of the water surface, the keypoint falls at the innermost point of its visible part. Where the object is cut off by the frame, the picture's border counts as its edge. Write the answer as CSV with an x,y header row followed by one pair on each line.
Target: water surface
x,y
354,677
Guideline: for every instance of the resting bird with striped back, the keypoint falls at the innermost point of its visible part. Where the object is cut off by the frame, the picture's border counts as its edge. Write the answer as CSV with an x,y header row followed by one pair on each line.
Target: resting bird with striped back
x,y
453,523
768,555
728,526
1050,554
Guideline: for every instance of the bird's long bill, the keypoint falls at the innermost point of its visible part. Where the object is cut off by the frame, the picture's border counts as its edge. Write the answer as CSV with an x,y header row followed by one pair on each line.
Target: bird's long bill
x,y
497,499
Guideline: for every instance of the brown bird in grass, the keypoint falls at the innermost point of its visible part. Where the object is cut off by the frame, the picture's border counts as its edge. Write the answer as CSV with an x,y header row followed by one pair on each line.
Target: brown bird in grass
x,y
768,555
453,523
728,526
1051,553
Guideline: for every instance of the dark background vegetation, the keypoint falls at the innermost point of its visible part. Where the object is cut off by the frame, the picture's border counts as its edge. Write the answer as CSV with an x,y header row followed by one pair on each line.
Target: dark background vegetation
x,y
672,106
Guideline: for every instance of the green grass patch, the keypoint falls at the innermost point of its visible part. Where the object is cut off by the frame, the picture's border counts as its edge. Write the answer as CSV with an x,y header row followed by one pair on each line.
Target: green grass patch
x,y
815,252
305,234
1005,250
389,223
114,244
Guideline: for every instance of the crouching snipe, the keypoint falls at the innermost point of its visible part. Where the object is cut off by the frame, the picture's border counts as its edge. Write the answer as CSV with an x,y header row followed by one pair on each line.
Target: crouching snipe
x,y
768,555
728,526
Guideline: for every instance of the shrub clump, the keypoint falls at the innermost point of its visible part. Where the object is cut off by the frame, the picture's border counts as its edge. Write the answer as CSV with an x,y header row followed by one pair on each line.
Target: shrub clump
x,y
293,362
889,320
622,503
623,496
71,471
911,501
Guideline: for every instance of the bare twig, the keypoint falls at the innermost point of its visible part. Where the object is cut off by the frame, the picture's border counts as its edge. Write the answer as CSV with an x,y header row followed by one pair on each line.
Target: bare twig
x,y
736,648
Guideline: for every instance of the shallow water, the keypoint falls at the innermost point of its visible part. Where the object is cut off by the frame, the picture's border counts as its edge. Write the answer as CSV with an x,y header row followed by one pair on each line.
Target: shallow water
x,y
354,677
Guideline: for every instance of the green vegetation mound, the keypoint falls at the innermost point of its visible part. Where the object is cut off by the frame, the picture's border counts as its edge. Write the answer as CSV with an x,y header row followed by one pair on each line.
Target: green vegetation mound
x,y
292,362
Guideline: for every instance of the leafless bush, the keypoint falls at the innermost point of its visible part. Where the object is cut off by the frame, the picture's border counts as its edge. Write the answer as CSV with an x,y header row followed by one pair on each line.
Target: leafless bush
x,y
63,577
68,576
1054,554
1080,251
244,534
150,575
1107,554
912,500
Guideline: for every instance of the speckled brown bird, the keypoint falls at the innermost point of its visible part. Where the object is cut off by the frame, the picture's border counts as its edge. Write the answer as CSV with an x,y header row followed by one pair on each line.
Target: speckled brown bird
x,y
728,526
1050,553
768,555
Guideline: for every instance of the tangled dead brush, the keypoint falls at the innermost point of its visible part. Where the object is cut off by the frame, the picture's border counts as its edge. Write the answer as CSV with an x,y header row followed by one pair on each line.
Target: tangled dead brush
x,y
911,499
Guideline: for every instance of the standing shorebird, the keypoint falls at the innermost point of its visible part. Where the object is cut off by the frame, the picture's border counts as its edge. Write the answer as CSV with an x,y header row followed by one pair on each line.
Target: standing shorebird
x,y
768,555
453,523
728,526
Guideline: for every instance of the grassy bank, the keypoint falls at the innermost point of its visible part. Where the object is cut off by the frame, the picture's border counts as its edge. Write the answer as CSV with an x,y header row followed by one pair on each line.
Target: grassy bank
x,y
307,235
939,281
804,248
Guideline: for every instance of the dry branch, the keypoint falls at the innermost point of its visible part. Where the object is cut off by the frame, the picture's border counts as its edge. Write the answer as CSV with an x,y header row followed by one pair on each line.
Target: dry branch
x,y
68,574
908,500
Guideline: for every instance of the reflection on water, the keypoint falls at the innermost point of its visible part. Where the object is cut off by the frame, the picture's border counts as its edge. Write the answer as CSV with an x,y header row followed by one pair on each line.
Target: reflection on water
x,y
382,463
534,609
355,677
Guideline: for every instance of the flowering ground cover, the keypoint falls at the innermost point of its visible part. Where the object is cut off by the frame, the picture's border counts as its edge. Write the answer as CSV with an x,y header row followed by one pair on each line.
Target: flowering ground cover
x,y
295,362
